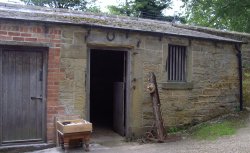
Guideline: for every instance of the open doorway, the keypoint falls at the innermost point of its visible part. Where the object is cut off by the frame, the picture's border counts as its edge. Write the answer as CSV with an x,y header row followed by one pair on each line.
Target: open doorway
x,y
108,89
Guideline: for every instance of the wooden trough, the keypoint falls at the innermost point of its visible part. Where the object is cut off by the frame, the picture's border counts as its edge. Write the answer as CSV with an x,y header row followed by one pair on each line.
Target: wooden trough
x,y
75,129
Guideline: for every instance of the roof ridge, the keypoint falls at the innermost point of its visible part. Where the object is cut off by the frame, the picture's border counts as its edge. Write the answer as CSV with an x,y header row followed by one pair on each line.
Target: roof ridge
x,y
63,16
41,9
197,27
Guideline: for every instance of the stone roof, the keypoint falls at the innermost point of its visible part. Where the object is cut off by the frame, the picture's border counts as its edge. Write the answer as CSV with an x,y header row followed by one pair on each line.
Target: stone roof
x,y
224,33
63,16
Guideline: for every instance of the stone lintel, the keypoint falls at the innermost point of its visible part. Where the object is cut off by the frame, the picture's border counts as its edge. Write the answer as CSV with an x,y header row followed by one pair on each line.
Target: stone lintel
x,y
110,45
32,44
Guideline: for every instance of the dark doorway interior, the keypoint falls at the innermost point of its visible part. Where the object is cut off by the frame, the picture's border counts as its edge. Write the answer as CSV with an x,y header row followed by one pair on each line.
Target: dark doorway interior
x,y
107,68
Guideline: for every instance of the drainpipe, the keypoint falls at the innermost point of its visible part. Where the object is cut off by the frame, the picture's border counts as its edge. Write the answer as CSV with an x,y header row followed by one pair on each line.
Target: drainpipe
x,y
239,55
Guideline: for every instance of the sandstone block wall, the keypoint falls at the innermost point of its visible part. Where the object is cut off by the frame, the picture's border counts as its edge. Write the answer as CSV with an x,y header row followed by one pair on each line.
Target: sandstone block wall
x,y
73,61
245,48
214,75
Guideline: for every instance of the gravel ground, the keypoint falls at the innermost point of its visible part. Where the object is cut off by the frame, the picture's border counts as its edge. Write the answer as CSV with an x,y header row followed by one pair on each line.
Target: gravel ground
x,y
238,143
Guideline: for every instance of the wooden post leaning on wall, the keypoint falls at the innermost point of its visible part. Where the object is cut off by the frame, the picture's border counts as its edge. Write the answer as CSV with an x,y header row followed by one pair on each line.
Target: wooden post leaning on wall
x,y
153,90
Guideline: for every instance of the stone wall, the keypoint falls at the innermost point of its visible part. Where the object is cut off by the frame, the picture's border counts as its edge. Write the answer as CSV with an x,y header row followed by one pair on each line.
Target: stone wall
x,y
245,48
73,61
212,71
214,75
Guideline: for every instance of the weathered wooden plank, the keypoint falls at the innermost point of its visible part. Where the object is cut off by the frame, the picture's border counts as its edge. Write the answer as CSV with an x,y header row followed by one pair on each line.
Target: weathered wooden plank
x,y
9,105
33,93
44,85
7,86
12,97
118,106
26,93
39,68
12,110
18,96
5,93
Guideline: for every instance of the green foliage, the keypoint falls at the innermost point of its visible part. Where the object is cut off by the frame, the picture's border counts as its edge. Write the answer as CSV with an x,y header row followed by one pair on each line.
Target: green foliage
x,y
229,126
120,10
222,14
67,4
150,8
174,130
141,8
93,9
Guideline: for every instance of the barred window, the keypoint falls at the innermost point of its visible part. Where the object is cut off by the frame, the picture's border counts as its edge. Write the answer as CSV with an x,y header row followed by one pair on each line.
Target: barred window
x,y
176,63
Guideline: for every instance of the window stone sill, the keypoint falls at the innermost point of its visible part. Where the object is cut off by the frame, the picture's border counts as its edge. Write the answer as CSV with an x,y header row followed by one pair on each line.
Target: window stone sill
x,y
177,85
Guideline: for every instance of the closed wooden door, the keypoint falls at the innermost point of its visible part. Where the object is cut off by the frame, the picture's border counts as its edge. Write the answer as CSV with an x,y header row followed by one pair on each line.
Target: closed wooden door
x,y
22,106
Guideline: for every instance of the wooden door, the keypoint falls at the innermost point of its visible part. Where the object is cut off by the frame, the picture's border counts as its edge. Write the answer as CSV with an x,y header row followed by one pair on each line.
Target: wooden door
x,y
118,106
22,106
119,101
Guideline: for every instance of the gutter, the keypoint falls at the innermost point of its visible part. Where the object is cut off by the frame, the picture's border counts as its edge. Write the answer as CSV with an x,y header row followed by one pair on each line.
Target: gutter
x,y
239,55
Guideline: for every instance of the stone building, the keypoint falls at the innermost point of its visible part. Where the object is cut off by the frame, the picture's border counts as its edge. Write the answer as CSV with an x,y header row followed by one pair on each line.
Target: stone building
x,y
59,62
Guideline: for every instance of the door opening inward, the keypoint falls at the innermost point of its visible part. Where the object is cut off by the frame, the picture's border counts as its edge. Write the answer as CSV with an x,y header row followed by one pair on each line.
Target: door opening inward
x,y
108,89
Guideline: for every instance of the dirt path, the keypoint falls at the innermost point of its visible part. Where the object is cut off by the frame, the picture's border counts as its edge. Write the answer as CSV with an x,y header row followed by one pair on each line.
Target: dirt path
x,y
238,143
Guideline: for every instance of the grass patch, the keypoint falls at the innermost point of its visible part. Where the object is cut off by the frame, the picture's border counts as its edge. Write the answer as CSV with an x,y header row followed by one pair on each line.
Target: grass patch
x,y
214,130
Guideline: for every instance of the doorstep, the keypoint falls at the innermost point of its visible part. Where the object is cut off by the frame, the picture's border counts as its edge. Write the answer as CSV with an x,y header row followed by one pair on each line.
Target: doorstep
x,y
25,147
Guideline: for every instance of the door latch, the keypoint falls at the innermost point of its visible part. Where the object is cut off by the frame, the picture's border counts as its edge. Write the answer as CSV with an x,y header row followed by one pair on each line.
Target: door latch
x,y
41,75
33,98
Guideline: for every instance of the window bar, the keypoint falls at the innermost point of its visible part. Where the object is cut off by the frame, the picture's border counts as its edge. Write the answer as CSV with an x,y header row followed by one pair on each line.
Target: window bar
x,y
184,64
177,63
180,67
181,62
173,50
174,62
167,65
171,72
169,62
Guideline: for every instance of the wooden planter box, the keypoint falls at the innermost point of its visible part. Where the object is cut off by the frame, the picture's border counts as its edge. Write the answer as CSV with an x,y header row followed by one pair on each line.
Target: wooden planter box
x,y
74,126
